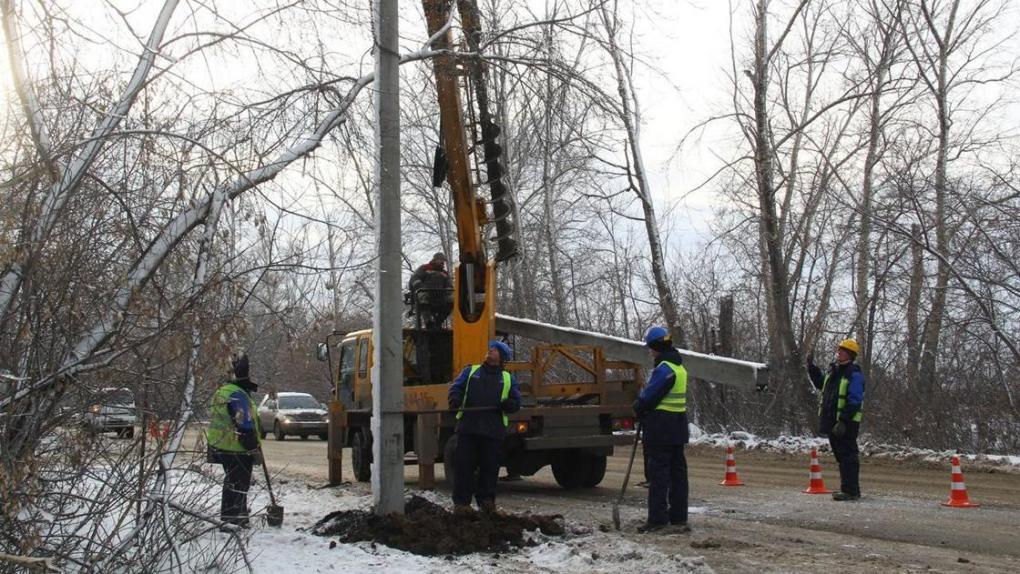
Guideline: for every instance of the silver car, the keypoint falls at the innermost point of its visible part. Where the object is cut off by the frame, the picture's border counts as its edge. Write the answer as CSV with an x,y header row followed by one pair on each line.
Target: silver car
x,y
113,411
293,414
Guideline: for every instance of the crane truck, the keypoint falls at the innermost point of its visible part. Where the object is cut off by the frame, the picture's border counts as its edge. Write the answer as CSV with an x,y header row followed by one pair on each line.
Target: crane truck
x,y
577,386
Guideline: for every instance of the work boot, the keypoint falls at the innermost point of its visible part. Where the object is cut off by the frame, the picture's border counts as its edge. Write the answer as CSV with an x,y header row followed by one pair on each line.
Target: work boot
x,y
845,496
488,506
649,527
679,528
463,510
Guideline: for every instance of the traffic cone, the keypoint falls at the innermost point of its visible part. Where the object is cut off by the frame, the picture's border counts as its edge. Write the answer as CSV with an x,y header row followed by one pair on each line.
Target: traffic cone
x,y
958,490
816,484
731,478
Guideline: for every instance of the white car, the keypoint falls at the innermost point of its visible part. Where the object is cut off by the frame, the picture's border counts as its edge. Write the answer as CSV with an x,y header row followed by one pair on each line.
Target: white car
x,y
293,414
113,411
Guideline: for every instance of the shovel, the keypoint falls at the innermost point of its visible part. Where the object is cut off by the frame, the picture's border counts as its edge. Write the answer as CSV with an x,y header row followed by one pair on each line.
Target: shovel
x,y
274,513
626,479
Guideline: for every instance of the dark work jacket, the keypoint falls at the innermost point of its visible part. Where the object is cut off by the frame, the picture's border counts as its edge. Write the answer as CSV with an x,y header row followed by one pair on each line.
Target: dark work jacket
x,y
661,427
484,390
830,397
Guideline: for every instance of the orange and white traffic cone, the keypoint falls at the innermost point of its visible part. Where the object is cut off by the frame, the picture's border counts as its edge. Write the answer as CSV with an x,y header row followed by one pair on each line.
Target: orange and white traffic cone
x,y
731,478
816,484
958,490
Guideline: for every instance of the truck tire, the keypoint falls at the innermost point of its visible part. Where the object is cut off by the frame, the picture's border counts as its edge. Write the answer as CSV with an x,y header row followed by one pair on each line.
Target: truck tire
x,y
129,432
596,471
579,470
448,452
567,472
361,455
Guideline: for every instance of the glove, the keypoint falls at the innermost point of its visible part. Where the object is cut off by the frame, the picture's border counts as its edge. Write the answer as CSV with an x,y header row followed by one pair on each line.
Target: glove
x,y
839,429
506,405
454,404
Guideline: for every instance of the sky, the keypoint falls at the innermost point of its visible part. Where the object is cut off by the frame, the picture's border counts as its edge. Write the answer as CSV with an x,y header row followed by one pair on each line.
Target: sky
x,y
685,49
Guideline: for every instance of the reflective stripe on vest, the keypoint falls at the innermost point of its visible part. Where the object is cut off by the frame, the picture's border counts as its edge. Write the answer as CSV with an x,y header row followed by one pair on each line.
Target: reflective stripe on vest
x,y
502,397
675,400
222,434
844,384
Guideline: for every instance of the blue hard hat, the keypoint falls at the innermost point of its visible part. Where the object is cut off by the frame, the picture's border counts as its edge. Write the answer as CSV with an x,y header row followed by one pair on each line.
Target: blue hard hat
x,y
505,352
656,333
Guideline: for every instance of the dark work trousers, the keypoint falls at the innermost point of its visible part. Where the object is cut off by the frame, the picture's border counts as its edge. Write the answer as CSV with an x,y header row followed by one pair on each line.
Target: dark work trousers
x,y
667,489
475,452
846,453
234,503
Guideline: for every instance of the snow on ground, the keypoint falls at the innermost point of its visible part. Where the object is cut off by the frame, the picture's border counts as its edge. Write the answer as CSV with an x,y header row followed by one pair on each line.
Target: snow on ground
x,y
292,548
786,444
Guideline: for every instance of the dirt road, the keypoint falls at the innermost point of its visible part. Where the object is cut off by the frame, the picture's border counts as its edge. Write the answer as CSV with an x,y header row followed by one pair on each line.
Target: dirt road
x,y
768,525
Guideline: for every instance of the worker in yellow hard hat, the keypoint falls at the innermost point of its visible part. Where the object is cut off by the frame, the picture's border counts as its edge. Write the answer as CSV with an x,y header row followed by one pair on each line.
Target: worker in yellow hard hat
x,y
840,406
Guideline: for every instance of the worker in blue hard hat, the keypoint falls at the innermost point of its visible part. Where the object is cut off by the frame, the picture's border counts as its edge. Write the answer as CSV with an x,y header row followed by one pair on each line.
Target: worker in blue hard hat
x,y
662,410
483,395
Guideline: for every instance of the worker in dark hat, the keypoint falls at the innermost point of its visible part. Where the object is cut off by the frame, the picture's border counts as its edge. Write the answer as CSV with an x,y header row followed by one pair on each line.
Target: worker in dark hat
x,y
483,395
432,291
234,441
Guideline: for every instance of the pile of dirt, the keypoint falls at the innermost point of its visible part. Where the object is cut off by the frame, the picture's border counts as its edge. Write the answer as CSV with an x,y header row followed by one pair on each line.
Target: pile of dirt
x,y
428,529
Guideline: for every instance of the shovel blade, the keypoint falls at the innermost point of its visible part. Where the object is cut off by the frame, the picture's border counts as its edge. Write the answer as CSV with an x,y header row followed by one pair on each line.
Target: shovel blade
x,y
274,515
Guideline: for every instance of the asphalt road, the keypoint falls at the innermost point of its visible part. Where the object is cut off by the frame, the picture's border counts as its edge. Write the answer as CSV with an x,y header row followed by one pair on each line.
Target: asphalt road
x,y
769,525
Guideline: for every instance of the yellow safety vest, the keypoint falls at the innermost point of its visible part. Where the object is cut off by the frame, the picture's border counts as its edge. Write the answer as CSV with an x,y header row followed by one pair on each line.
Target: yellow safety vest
x,y
222,434
844,383
503,396
675,400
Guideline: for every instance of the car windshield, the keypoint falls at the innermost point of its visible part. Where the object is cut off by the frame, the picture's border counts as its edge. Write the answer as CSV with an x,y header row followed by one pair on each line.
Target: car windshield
x,y
118,397
298,402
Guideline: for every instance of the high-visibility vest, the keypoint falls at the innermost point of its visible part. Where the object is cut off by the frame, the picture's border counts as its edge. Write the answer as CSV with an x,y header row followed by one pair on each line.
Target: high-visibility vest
x,y
675,400
502,397
844,383
222,434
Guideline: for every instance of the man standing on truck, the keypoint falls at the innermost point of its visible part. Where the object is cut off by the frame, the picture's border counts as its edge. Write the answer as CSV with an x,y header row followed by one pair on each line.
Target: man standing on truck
x,y
482,395
839,413
662,410
233,441
432,291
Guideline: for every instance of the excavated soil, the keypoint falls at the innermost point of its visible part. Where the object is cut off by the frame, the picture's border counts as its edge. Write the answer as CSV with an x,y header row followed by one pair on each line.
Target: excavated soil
x,y
428,529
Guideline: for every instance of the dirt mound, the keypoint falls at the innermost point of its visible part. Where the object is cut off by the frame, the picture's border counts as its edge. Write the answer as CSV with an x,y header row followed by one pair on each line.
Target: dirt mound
x,y
428,529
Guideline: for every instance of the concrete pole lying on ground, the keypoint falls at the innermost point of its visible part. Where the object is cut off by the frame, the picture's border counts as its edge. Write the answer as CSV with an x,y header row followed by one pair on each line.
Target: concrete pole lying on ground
x,y
387,356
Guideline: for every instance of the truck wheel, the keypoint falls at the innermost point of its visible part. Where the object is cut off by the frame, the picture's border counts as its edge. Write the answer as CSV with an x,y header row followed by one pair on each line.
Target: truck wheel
x,y
596,471
278,432
361,455
323,436
304,437
129,432
568,471
448,452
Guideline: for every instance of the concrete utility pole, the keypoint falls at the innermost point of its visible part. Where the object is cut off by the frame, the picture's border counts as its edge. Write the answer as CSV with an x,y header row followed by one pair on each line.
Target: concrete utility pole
x,y
387,356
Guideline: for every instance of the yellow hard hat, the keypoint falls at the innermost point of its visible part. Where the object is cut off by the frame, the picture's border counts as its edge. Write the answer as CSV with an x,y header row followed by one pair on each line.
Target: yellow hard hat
x,y
850,345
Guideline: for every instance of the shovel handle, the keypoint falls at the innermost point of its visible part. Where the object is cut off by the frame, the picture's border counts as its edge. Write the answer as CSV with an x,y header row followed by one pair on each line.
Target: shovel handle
x,y
630,465
269,484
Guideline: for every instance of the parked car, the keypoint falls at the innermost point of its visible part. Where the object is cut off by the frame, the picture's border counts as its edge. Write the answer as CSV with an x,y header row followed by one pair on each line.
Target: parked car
x,y
293,414
113,411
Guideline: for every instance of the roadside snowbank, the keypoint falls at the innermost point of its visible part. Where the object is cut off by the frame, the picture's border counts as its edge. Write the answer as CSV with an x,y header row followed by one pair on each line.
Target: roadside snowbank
x,y
800,444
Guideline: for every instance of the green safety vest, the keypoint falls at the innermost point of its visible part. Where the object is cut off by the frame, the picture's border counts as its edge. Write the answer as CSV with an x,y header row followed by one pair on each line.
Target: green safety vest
x,y
503,396
840,401
222,434
675,400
